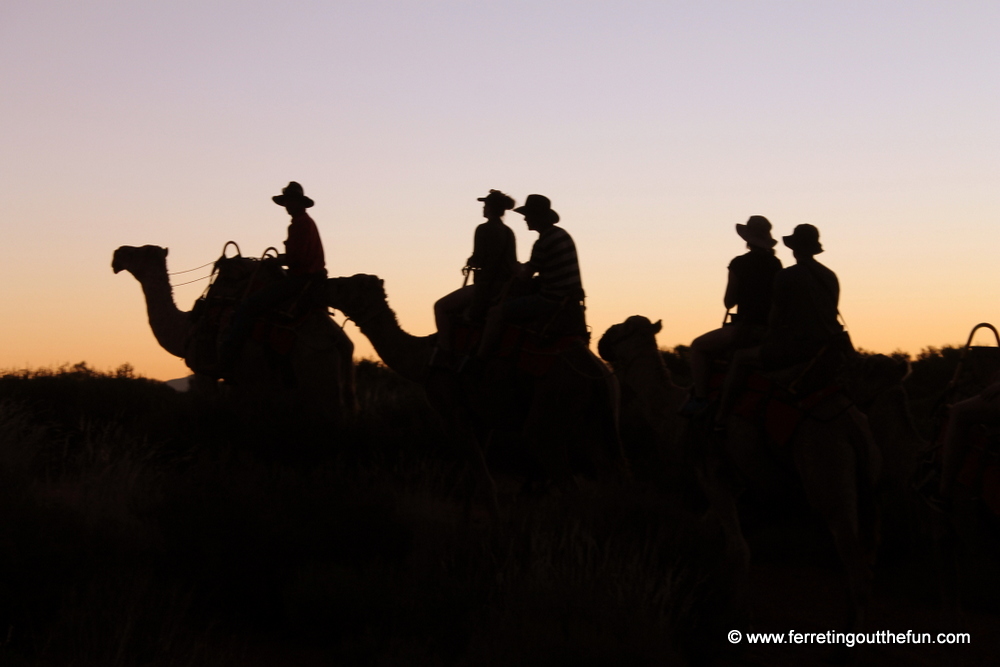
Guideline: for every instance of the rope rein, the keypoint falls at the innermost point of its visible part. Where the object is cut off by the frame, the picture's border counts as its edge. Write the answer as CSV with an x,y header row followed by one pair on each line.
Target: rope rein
x,y
177,273
193,281
378,312
212,264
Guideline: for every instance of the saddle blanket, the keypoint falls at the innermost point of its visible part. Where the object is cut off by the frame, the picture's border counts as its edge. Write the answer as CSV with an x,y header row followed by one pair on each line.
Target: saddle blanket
x,y
776,409
532,355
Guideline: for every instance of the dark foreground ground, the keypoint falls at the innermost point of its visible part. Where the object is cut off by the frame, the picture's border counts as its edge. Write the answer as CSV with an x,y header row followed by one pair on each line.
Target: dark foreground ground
x,y
139,526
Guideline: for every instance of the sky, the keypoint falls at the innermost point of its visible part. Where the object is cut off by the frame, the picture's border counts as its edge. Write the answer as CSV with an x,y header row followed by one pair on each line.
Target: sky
x,y
654,128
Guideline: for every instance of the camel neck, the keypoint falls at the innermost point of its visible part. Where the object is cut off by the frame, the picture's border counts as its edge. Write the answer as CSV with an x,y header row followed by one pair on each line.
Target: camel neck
x,y
645,372
404,353
169,324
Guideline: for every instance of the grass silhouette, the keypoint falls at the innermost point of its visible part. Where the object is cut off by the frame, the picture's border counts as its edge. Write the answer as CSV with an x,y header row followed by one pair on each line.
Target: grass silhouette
x,y
139,525
143,526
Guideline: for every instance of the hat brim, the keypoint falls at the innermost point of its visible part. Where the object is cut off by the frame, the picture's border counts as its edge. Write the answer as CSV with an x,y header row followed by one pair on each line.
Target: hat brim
x,y
524,210
754,238
292,200
811,247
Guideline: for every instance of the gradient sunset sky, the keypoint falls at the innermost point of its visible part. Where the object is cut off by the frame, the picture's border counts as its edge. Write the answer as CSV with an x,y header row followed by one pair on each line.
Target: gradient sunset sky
x,y
654,127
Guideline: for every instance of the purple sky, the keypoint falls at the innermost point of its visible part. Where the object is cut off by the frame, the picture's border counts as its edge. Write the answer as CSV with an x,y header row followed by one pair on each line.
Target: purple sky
x,y
654,128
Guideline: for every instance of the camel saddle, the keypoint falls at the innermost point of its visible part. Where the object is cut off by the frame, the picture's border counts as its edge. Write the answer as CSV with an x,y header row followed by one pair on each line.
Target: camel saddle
x,y
778,401
235,279
779,410
529,352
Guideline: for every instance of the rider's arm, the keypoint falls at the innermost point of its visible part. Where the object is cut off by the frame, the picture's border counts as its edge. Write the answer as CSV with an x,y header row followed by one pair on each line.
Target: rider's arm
x,y
479,241
731,290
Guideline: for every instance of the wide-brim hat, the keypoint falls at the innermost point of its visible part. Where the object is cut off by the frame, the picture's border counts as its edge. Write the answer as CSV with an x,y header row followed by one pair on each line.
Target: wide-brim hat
x,y
292,195
538,205
804,239
757,232
498,199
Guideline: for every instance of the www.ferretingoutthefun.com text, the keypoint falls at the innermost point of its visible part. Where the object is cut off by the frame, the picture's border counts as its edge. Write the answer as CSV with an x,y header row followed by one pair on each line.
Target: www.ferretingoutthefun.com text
x,y
850,638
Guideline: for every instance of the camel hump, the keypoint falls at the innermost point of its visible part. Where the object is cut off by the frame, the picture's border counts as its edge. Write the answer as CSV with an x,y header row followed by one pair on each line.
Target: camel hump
x,y
298,317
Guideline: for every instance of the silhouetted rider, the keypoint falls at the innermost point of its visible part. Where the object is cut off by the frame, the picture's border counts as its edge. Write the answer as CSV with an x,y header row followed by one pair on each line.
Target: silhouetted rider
x,y
749,290
305,261
494,256
554,259
804,310
803,317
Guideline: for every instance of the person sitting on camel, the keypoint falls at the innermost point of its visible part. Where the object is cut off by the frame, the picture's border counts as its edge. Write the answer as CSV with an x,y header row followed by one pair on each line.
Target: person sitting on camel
x,y
751,277
554,259
494,256
306,264
802,320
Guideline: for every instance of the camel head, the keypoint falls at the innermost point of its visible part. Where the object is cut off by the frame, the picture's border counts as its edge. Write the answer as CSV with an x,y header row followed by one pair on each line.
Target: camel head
x,y
622,341
148,265
147,261
360,296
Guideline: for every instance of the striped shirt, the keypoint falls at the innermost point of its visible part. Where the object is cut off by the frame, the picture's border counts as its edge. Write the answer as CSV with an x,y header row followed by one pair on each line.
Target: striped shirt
x,y
554,258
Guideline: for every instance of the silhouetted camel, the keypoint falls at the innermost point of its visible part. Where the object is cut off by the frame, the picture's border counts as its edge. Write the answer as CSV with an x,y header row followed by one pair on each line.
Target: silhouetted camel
x,y
569,422
832,452
650,399
322,368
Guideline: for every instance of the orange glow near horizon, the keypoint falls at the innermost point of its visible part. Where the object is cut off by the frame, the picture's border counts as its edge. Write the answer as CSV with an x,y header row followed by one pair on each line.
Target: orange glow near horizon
x,y
653,128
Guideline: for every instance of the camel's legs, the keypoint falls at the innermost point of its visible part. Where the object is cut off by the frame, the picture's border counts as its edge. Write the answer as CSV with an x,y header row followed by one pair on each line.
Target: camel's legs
x,y
456,421
345,352
827,465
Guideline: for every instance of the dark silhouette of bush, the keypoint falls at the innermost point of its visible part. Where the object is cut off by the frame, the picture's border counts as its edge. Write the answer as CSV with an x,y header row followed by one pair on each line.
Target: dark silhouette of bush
x,y
143,526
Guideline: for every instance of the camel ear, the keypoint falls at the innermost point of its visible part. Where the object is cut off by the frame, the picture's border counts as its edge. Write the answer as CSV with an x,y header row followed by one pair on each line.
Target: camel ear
x,y
657,326
166,251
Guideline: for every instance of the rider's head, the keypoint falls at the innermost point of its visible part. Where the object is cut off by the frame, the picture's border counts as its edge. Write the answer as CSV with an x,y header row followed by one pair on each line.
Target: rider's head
x,y
495,204
757,233
293,199
804,241
538,213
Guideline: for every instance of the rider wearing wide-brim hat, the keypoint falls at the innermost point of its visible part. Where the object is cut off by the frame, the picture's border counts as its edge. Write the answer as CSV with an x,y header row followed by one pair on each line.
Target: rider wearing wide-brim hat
x,y
748,290
804,309
293,197
803,320
306,264
494,256
555,263
303,247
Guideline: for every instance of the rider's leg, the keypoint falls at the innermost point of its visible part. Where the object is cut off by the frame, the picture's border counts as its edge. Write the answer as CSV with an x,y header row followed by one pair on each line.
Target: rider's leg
x,y
446,308
744,361
704,348
257,304
522,309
